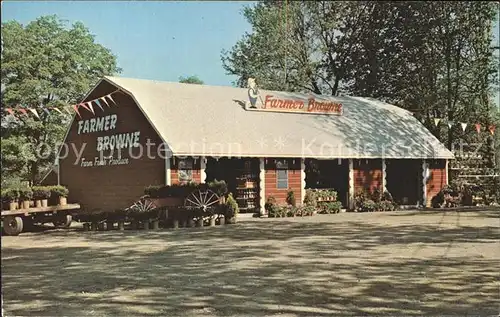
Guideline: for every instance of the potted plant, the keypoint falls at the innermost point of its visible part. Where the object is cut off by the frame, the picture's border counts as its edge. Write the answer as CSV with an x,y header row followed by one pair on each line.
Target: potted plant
x,y
231,217
220,188
10,196
290,198
25,196
61,193
41,195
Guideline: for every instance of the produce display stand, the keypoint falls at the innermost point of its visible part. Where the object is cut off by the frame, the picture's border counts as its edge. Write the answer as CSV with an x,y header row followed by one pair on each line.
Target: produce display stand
x,y
16,221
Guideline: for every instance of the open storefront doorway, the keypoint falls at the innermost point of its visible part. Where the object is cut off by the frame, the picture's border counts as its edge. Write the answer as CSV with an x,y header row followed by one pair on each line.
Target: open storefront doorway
x,y
241,177
332,174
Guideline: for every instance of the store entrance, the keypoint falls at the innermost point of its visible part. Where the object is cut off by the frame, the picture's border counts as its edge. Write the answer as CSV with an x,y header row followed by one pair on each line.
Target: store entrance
x,y
332,174
404,180
241,177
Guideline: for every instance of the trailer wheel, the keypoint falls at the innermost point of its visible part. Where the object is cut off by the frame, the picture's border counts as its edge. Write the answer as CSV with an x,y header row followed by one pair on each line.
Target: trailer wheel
x,y
12,225
63,221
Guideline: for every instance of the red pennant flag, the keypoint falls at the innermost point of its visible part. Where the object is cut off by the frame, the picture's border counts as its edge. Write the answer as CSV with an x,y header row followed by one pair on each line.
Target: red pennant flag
x,y
84,105
492,129
478,127
10,111
75,107
23,111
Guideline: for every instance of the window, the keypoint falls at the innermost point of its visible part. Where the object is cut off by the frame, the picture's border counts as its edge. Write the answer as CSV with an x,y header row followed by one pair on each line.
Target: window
x,y
282,174
185,170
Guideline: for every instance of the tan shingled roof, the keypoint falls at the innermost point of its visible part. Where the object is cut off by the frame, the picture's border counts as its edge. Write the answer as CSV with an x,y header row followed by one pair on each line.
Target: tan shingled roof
x,y
211,121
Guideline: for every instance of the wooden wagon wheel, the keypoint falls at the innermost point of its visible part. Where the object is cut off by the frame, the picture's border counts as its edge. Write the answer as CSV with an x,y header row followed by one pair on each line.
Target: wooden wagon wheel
x,y
12,225
202,199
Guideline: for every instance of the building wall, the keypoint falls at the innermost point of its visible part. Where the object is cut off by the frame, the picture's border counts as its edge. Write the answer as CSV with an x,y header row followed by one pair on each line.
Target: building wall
x,y
437,178
367,175
111,187
50,179
294,183
174,171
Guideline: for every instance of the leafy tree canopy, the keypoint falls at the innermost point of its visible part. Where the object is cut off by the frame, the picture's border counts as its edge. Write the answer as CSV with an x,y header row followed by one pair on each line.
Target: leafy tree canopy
x,y
191,80
44,63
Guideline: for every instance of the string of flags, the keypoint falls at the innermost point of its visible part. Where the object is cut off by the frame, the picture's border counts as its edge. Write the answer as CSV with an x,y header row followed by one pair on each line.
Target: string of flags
x,y
26,110
464,125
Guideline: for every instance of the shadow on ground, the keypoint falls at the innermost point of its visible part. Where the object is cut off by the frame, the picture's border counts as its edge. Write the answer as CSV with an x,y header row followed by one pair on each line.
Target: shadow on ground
x,y
299,267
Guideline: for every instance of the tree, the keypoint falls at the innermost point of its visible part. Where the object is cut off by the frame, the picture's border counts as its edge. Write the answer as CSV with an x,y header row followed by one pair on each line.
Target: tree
x,y
191,80
44,64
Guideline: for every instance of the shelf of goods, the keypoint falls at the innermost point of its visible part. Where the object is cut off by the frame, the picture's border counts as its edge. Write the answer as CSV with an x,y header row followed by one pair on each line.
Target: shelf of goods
x,y
247,191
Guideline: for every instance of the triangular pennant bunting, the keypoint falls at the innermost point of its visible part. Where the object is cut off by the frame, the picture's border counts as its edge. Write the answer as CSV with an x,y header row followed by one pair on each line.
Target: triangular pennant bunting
x,y
90,107
33,111
436,121
98,104
10,111
46,111
450,124
464,125
23,111
58,110
69,109
75,107
109,96
478,127
492,129
105,101
84,105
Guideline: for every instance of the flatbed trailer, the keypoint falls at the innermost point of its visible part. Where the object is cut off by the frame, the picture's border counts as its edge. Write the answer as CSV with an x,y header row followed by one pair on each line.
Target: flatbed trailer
x,y
16,221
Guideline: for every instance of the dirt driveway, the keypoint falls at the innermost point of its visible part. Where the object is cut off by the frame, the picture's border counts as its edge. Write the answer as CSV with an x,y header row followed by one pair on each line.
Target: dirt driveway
x,y
347,264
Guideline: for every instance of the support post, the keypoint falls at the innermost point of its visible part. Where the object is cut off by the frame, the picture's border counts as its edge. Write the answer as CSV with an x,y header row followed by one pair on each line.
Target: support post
x,y
262,186
302,180
351,184
203,166
168,175
447,173
384,176
424,183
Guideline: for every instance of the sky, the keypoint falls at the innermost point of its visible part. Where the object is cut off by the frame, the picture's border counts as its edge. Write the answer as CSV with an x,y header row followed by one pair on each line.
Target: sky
x,y
153,40
156,40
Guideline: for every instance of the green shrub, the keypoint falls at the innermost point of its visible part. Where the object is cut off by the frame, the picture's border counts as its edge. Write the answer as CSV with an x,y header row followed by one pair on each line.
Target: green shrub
x,y
152,191
10,195
331,207
327,193
438,200
25,193
387,196
290,198
218,187
41,192
385,205
310,199
271,207
58,191
232,202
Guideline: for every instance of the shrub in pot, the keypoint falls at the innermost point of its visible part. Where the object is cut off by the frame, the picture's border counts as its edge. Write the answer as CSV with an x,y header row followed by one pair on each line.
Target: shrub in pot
x,y
10,196
235,209
60,194
290,198
310,198
41,194
219,187
25,195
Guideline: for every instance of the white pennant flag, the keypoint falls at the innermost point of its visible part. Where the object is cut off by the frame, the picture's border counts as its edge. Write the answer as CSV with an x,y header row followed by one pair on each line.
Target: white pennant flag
x,y
91,108
436,121
464,126
57,109
33,111
109,96
450,124
105,101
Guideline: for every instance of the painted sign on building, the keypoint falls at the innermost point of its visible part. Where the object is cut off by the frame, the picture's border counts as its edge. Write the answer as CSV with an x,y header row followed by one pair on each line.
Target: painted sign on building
x,y
272,103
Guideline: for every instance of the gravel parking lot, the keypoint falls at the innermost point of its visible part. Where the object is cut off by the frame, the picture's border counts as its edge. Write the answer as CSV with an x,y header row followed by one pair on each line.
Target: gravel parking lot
x,y
399,263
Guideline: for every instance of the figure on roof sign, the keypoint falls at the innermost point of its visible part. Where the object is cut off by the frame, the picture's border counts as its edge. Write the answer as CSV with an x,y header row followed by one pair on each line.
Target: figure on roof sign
x,y
253,94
